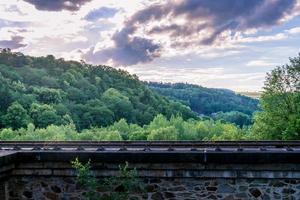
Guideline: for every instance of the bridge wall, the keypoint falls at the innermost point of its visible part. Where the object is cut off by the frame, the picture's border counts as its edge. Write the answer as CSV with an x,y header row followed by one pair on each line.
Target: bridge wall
x,y
42,187
56,180
180,172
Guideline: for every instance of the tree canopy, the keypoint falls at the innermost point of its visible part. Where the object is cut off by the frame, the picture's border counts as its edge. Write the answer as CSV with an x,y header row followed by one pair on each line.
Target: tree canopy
x,y
280,103
43,98
46,91
210,102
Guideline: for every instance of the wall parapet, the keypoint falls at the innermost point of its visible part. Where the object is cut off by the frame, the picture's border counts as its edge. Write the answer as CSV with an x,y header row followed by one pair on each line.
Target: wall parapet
x,y
246,171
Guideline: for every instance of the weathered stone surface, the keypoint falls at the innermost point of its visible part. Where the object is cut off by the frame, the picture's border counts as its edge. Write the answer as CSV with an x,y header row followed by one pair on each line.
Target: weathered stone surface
x,y
180,188
43,184
255,192
277,183
157,196
286,191
151,188
54,188
211,188
169,195
229,197
211,196
51,196
241,195
225,188
27,194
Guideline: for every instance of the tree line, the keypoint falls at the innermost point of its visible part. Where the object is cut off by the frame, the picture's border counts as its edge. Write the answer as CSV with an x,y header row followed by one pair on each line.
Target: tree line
x,y
219,104
43,98
46,91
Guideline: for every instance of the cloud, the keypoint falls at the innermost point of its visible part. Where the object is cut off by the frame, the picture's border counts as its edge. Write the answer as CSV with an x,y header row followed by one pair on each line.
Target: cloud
x,y
14,43
9,23
57,5
261,63
214,16
189,24
295,30
126,50
14,8
265,38
215,77
103,12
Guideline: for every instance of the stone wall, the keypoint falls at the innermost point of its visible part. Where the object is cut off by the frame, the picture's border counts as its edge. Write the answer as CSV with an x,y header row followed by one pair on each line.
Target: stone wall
x,y
40,188
165,174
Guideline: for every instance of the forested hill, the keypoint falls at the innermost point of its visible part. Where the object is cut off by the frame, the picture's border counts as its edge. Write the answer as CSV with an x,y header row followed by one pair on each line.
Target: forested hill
x,y
206,100
45,90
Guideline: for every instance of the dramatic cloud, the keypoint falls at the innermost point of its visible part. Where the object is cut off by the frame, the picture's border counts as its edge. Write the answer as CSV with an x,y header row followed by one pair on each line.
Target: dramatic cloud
x,y
14,43
126,51
213,16
217,43
187,24
103,12
57,5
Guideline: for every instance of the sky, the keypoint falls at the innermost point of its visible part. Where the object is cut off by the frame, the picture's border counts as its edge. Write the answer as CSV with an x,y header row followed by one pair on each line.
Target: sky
x,y
214,43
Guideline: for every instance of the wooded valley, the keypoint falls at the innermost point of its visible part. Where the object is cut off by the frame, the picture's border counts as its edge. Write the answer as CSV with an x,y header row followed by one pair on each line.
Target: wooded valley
x,y
43,98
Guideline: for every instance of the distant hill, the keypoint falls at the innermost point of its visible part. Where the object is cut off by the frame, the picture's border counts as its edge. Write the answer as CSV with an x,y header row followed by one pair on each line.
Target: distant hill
x,y
45,90
206,101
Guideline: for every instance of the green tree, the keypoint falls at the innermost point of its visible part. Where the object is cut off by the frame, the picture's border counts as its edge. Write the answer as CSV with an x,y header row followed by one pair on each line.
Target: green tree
x,y
5,93
110,136
97,116
44,115
118,103
138,135
280,103
167,133
235,117
16,116
49,95
229,132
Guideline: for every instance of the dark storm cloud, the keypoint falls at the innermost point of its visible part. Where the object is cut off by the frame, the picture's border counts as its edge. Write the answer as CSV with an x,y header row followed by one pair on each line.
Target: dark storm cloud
x,y
57,5
127,51
215,16
103,12
14,43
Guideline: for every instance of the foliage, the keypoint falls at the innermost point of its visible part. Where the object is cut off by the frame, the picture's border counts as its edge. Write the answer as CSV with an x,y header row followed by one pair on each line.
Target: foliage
x,y
43,98
234,117
86,179
44,115
206,100
160,128
166,133
50,89
124,184
280,103
118,187
16,116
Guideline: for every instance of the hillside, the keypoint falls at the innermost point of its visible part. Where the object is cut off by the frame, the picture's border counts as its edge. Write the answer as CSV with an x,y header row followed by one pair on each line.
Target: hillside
x,y
45,90
206,101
